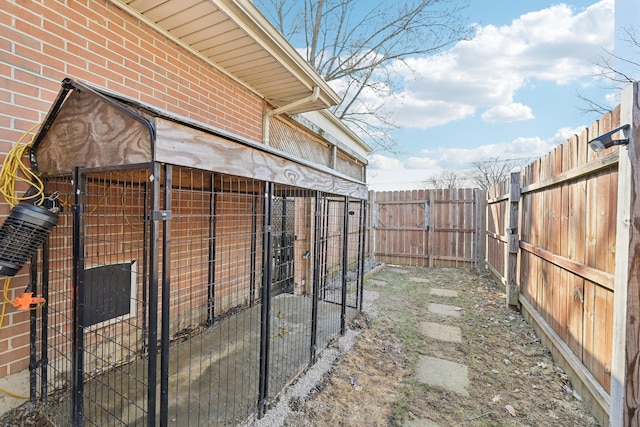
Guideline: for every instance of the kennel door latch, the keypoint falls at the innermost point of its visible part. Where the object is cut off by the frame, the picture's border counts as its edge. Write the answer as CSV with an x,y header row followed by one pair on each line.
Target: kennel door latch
x,y
160,215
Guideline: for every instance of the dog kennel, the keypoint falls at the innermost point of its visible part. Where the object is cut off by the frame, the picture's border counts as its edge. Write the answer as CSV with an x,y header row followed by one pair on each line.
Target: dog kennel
x,y
192,274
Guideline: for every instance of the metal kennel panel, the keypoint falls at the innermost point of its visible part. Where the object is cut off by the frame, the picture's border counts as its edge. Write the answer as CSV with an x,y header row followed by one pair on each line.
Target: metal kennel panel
x,y
94,330
215,300
291,304
52,333
185,297
330,221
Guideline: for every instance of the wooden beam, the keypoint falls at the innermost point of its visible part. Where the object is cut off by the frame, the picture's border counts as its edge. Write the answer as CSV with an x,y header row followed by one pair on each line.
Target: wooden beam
x,y
599,277
498,199
182,145
495,236
625,364
585,169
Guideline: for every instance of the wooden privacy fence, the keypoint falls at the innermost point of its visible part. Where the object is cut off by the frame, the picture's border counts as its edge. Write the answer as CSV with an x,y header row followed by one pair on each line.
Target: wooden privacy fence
x,y
562,237
427,227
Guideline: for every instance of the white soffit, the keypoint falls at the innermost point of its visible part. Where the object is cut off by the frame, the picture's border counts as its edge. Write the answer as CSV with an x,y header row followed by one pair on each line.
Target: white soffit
x,y
239,40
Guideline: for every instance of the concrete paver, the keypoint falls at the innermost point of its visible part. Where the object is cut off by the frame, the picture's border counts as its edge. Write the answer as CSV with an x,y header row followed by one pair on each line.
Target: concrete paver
x,y
443,373
419,280
444,292
376,282
421,423
442,332
444,309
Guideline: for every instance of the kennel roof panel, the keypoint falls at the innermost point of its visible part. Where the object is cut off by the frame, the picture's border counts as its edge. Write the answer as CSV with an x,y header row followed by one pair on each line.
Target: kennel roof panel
x,y
236,38
94,128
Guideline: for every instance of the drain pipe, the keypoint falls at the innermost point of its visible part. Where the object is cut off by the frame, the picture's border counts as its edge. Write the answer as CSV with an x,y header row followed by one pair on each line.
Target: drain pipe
x,y
265,120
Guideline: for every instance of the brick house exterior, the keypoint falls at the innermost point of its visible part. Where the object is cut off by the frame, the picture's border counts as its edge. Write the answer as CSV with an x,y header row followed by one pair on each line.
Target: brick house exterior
x,y
107,45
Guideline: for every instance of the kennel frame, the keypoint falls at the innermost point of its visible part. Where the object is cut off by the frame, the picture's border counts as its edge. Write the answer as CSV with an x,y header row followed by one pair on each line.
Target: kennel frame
x,y
152,135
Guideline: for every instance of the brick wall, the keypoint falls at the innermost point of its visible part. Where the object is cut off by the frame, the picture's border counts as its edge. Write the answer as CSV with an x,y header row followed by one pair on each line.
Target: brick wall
x,y
42,42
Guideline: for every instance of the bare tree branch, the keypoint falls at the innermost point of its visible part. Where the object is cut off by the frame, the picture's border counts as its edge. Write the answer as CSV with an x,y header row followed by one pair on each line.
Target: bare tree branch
x,y
488,173
610,69
355,43
448,180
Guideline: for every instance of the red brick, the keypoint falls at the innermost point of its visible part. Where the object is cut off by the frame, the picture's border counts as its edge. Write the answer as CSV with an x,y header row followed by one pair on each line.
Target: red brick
x,y
38,56
20,341
21,363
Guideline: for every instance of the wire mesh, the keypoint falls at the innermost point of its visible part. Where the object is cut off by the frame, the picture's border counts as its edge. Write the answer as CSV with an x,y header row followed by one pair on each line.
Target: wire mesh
x,y
248,281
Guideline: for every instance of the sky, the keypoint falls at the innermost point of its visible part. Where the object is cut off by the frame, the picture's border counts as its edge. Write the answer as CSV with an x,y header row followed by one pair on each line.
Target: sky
x,y
510,91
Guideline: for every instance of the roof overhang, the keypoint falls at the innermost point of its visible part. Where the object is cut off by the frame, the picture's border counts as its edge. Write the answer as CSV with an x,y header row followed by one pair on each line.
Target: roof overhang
x,y
236,38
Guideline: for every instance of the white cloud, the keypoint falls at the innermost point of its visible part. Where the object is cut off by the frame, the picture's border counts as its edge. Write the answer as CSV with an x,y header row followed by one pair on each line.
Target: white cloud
x,y
380,162
557,44
508,113
388,173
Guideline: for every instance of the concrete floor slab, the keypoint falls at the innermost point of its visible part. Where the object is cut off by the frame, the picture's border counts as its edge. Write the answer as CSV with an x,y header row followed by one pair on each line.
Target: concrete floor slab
x,y
445,310
442,332
443,373
444,292
419,280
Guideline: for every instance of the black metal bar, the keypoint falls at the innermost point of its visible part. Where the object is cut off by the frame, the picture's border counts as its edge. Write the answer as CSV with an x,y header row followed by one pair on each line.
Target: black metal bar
x,y
154,240
211,288
317,247
363,251
33,362
324,237
345,266
77,410
265,320
252,268
166,293
145,272
283,276
48,121
44,360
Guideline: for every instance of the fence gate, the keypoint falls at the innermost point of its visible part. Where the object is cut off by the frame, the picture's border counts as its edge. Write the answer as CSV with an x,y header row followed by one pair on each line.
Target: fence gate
x,y
426,228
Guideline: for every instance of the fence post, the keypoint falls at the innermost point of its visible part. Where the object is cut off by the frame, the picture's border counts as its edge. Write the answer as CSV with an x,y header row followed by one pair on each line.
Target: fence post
x,y
373,223
624,409
513,239
430,234
480,225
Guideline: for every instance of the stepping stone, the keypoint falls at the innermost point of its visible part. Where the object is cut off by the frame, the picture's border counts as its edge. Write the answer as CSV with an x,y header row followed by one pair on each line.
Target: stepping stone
x,y
420,423
444,309
443,373
377,282
442,332
419,280
398,270
444,292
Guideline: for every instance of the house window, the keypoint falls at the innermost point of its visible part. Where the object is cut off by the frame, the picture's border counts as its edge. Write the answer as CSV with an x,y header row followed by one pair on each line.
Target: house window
x,y
110,292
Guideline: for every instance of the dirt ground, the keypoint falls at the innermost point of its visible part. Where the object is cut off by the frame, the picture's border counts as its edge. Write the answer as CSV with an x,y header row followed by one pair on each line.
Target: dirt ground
x,y
513,379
